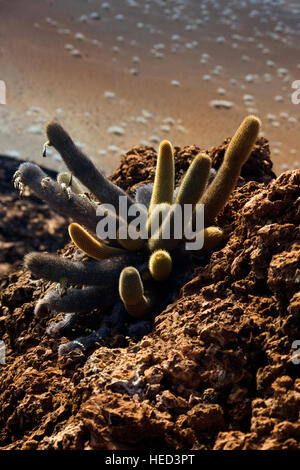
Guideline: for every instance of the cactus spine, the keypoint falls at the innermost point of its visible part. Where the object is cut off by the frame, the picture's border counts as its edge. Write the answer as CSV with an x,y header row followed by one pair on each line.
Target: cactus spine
x,y
68,180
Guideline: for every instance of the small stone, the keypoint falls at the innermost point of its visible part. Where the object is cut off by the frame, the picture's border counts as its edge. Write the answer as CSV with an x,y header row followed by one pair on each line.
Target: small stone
x,y
95,15
109,94
116,130
76,53
35,129
219,104
79,36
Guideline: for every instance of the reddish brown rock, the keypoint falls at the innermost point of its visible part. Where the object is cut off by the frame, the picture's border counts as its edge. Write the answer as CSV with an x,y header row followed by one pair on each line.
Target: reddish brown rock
x,y
216,372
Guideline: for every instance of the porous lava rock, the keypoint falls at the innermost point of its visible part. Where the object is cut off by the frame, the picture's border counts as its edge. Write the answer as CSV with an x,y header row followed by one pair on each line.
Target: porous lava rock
x,y
219,369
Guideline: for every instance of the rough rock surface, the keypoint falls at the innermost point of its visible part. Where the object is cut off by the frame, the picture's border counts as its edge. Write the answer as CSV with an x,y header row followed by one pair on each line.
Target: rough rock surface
x,y
216,372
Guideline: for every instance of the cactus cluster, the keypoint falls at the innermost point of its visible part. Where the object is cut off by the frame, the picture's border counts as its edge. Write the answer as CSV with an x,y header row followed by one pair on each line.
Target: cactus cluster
x,y
126,277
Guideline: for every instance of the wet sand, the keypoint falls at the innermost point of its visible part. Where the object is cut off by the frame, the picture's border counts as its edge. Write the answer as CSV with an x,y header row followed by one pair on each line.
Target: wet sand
x,y
142,74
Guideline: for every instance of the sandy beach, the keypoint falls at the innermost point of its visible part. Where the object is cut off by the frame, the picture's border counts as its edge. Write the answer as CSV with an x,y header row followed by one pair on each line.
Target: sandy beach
x,y
124,73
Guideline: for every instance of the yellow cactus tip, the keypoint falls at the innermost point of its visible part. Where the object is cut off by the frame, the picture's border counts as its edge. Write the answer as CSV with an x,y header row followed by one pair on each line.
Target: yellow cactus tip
x,y
160,265
165,147
90,245
72,229
252,121
131,291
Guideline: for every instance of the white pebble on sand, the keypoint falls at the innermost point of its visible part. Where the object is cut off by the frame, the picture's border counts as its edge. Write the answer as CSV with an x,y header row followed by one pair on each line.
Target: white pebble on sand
x,y
282,72
221,91
169,121
50,151
292,120
206,77
35,129
83,19
79,144
102,152
36,109
175,83
268,77
154,139
109,94
95,15
147,114
64,31
76,53
279,98
113,149
40,120
141,120
79,36
249,78
270,63
165,128
52,22
221,104
116,130
12,153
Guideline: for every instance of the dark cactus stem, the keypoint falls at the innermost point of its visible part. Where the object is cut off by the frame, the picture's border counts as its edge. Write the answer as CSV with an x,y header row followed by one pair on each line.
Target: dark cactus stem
x,y
76,300
79,208
98,273
84,169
